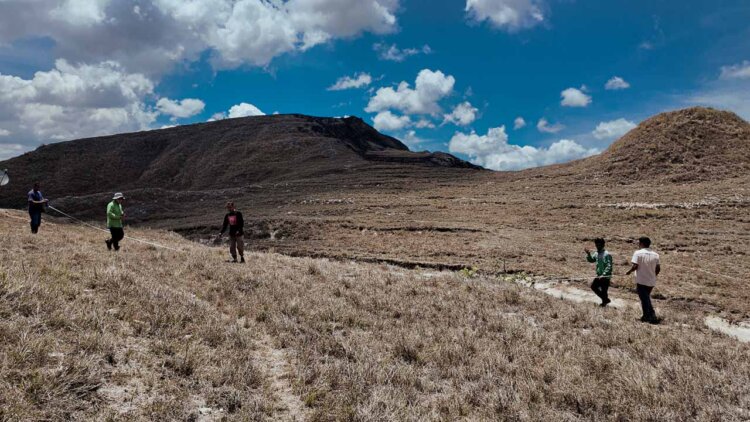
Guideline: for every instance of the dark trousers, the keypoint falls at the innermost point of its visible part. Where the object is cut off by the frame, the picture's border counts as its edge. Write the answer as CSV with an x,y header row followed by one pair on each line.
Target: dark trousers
x,y
36,220
117,235
644,293
236,244
600,286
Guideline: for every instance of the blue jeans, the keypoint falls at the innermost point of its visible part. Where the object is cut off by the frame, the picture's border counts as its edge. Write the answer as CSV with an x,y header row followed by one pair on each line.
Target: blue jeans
x,y
36,220
644,293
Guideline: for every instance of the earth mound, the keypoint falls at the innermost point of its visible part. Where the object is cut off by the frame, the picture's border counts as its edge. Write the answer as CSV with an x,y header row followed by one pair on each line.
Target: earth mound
x,y
694,144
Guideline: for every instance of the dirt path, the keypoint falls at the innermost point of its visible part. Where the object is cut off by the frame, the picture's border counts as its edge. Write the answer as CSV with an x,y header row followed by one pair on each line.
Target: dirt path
x,y
276,363
273,362
563,290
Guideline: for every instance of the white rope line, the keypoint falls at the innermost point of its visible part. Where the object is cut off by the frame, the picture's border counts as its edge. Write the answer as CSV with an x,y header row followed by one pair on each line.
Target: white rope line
x,y
562,278
107,231
591,277
549,278
709,272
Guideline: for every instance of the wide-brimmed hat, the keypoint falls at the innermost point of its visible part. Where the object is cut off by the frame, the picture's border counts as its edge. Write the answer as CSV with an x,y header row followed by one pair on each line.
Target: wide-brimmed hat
x,y
119,195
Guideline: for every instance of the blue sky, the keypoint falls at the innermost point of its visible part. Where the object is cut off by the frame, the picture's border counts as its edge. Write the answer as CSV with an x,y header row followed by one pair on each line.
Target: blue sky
x,y
467,69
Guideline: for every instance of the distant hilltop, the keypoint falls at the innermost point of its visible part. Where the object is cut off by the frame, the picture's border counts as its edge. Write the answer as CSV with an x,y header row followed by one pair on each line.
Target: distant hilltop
x,y
687,145
214,155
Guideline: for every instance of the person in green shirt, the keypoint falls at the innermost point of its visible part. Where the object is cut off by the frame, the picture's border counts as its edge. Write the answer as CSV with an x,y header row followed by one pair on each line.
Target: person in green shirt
x,y
603,260
115,215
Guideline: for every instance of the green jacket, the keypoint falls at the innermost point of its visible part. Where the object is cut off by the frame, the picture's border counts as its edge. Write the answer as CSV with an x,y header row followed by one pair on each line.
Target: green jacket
x,y
603,263
114,215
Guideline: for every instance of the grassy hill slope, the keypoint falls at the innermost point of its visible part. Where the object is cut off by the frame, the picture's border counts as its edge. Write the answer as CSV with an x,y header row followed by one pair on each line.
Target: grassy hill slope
x,y
152,334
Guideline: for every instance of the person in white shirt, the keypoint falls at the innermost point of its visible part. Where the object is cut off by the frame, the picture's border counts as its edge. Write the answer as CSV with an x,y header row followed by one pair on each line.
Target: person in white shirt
x,y
646,266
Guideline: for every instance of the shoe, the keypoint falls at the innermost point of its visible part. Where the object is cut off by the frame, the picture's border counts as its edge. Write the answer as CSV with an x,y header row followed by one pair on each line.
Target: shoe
x,y
242,260
644,319
109,244
654,321
605,303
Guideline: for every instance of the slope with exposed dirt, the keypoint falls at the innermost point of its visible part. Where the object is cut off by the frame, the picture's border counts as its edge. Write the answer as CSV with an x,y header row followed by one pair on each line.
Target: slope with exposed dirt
x,y
694,144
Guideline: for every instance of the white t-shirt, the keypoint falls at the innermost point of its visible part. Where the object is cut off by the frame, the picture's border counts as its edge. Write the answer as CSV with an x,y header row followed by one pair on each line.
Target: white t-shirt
x,y
647,261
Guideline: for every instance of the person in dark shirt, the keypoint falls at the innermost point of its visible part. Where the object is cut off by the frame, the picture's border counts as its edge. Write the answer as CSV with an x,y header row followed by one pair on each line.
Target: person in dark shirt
x,y
234,222
36,206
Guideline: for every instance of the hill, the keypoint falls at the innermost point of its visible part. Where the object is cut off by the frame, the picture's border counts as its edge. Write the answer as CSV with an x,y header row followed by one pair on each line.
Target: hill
x,y
217,155
153,334
679,146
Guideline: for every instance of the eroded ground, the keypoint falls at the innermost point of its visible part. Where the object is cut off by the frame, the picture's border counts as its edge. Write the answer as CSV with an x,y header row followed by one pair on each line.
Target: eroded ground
x,y
537,223
149,333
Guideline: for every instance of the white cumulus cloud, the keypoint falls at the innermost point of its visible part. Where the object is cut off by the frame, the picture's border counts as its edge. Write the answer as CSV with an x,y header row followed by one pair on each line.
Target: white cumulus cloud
x,y
574,97
509,15
387,121
543,125
493,151
153,35
11,150
616,83
75,101
430,87
424,124
737,71
348,82
188,107
81,12
462,115
412,140
613,129
244,110
395,54
239,110
519,123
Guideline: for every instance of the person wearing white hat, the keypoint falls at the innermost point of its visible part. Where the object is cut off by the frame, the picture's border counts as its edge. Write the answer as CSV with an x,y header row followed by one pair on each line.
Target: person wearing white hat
x,y
115,215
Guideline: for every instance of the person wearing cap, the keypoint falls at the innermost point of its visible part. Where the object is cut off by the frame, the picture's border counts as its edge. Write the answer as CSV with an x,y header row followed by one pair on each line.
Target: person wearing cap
x,y
37,202
115,215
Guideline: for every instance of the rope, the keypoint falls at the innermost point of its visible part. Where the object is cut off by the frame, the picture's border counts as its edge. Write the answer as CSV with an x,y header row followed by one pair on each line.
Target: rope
x,y
591,277
552,278
106,231
709,272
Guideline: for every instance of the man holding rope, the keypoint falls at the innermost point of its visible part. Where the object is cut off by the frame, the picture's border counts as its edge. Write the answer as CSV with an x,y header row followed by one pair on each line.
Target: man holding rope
x,y
37,202
115,214
603,260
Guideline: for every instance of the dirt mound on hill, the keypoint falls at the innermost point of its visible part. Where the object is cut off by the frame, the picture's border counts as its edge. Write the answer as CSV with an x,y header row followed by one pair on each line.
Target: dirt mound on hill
x,y
686,145
218,155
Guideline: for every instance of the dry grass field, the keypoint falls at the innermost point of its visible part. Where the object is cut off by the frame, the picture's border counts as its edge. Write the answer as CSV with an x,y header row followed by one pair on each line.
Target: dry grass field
x,y
153,334
495,222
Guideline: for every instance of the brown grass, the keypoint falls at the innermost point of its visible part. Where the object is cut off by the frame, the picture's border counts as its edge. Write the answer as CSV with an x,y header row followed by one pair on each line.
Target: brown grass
x,y
147,334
